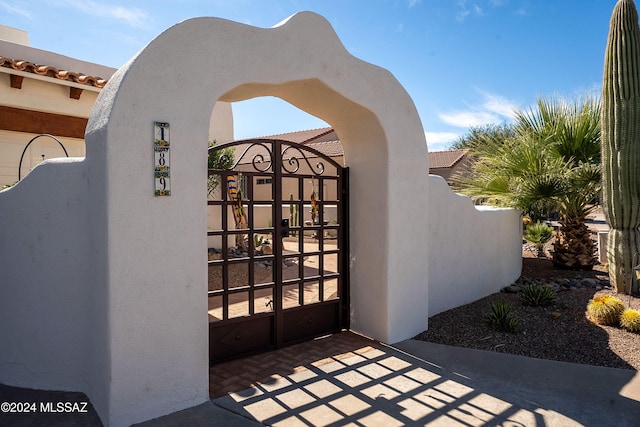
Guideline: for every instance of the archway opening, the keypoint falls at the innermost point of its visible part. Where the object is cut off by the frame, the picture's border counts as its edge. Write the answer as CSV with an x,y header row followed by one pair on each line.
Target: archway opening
x,y
165,251
268,115
277,222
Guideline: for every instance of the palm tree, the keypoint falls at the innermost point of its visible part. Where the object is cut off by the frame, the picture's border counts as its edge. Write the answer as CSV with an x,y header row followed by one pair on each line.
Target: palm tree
x,y
551,165
539,234
573,130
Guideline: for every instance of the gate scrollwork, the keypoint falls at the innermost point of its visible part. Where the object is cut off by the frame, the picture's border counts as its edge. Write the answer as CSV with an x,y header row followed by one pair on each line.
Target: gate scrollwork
x,y
293,162
262,157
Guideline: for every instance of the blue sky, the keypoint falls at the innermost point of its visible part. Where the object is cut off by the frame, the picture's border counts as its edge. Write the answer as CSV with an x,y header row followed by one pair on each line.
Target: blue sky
x,y
464,62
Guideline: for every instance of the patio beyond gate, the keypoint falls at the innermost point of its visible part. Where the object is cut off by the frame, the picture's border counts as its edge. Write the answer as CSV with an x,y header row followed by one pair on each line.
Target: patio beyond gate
x,y
278,247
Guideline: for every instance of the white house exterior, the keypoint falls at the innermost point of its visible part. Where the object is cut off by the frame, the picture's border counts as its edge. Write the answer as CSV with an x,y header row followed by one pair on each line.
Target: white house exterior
x,y
105,282
42,92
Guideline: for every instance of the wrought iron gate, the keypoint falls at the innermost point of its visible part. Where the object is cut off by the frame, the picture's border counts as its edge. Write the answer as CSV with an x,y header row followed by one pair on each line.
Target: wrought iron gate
x,y
278,247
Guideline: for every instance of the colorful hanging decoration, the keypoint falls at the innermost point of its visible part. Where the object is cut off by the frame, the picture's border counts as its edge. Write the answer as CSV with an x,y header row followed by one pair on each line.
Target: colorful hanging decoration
x,y
314,207
235,196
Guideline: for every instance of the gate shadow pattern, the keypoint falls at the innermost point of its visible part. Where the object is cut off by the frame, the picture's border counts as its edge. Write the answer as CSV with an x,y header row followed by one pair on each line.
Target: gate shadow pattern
x,y
378,385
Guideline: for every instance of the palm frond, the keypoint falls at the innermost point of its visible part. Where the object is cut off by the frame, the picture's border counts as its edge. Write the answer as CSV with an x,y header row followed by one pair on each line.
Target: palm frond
x,y
550,162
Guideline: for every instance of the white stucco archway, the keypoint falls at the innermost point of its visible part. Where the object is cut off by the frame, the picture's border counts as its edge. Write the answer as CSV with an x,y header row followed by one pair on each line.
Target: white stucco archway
x,y
104,284
151,255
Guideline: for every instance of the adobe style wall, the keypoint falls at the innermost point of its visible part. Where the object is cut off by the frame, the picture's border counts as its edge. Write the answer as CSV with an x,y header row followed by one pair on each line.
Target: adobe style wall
x,y
474,251
108,282
42,94
48,94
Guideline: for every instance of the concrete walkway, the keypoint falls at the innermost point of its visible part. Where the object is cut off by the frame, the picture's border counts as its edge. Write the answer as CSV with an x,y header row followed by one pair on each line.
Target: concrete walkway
x,y
419,383
414,383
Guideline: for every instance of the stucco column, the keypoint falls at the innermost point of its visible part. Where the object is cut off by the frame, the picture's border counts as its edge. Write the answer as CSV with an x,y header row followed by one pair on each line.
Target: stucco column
x,y
152,349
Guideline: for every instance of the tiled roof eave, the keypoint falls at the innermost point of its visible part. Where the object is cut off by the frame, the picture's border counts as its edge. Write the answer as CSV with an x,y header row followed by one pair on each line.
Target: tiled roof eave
x,y
446,159
26,68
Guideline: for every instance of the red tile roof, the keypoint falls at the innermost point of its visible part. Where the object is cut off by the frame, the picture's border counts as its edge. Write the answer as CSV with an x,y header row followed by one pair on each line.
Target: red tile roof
x,y
305,136
327,142
324,140
49,71
445,159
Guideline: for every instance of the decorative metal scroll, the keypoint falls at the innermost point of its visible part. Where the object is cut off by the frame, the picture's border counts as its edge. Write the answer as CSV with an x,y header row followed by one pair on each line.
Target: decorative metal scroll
x,y
259,154
293,161
262,157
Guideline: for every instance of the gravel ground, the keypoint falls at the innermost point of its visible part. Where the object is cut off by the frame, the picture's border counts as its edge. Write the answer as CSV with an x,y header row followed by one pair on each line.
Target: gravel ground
x,y
560,332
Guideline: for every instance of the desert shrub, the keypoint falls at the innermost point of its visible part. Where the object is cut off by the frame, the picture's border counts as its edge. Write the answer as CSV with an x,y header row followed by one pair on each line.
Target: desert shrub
x,y
258,240
218,159
539,234
630,320
537,296
605,310
500,317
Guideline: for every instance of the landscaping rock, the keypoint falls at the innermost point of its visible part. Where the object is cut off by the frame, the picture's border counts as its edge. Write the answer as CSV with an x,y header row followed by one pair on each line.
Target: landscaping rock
x,y
512,289
589,282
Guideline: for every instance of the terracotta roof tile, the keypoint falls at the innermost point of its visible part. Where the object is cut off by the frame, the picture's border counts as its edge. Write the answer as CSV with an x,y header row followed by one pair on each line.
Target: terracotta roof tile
x,y
326,141
445,159
328,148
303,136
49,71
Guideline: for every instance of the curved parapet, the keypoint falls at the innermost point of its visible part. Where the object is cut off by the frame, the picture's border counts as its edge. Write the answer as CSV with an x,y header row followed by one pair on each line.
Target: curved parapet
x,y
157,245
45,242
474,250
125,271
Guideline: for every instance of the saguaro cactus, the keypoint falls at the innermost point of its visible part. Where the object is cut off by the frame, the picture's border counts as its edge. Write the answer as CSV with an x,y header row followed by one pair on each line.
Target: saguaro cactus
x,y
621,142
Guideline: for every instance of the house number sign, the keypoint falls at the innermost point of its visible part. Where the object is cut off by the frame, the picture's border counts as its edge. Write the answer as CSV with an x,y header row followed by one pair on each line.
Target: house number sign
x,y
162,164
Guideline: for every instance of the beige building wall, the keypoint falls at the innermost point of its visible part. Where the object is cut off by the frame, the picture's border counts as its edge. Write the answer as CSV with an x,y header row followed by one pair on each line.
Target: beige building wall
x,y
12,145
46,94
40,93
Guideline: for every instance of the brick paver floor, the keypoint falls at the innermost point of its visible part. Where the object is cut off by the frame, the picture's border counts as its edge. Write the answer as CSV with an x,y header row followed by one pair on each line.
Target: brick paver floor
x,y
243,373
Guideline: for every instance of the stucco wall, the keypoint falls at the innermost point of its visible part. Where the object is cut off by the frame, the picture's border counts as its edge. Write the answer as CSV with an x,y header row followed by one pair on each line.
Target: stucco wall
x,y
473,252
155,247
107,282
51,95
45,326
12,144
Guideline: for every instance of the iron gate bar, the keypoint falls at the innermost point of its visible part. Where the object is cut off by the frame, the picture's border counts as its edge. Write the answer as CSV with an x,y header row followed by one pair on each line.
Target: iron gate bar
x,y
288,325
252,251
343,261
277,241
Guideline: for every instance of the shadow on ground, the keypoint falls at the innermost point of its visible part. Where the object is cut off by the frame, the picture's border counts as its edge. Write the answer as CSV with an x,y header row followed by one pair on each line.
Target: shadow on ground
x,y
412,383
38,408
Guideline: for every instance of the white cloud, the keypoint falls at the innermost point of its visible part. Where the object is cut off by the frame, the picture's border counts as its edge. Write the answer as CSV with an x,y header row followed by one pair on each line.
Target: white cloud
x,y
476,8
499,105
414,2
15,8
440,137
465,11
493,109
462,15
465,119
133,17
438,141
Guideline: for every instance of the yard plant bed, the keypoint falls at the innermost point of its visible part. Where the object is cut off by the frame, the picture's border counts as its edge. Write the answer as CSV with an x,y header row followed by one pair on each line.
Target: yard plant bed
x,y
560,331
